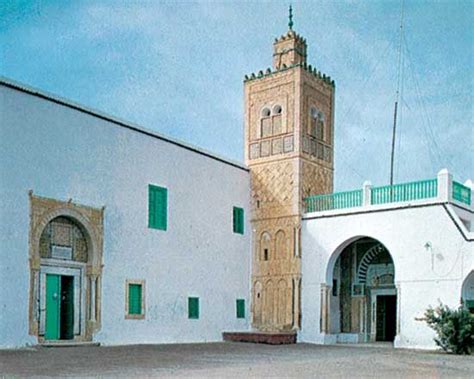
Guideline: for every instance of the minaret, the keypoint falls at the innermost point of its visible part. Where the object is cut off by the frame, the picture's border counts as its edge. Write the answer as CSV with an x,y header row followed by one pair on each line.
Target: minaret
x,y
289,142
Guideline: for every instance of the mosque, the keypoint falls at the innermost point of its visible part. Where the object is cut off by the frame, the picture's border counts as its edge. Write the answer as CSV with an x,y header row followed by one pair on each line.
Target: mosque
x,y
115,234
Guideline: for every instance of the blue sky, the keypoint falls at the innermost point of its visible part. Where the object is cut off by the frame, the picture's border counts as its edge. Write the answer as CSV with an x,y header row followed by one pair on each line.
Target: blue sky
x,y
177,67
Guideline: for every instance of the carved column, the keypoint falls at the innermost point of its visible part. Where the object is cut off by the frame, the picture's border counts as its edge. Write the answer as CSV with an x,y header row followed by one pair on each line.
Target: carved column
x,y
325,315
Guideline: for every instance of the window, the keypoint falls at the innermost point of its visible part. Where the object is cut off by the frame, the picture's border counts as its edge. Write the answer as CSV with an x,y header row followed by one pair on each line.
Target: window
x,y
240,307
238,220
157,207
317,124
193,308
135,303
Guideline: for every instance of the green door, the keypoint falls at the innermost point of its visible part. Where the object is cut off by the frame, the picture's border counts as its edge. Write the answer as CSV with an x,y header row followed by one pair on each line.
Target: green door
x,y
53,301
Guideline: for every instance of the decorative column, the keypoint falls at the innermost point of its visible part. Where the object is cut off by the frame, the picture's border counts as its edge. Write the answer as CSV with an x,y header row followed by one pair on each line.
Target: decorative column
x,y
324,320
93,291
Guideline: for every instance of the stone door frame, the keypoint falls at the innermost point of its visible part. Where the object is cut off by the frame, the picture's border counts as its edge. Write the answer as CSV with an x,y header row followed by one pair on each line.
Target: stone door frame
x,y
90,220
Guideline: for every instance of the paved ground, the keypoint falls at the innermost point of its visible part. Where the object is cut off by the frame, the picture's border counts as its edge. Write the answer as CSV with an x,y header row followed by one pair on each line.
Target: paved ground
x,y
233,360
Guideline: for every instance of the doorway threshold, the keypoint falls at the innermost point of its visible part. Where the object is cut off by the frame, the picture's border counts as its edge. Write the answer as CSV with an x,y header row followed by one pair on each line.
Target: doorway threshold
x,y
68,343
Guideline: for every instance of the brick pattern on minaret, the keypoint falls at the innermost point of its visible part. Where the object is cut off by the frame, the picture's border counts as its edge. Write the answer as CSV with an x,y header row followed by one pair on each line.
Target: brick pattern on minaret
x,y
289,144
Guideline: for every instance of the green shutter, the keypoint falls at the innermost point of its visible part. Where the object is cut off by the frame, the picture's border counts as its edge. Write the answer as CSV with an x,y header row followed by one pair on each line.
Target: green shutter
x,y
238,220
157,207
193,307
134,299
240,303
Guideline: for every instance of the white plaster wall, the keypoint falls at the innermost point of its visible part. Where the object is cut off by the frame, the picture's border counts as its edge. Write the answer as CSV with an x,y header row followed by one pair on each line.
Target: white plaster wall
x,y
61,153
404,232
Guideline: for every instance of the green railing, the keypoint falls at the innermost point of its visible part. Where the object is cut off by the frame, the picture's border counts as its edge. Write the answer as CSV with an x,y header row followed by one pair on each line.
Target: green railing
x,y
461,193
331,201
423,189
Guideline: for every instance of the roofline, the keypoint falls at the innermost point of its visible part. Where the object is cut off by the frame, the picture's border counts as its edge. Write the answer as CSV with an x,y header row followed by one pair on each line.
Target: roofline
x,y
125,124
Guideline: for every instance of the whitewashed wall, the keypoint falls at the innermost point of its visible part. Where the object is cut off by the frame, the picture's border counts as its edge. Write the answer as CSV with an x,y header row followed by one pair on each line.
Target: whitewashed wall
x,y
404,232
62,153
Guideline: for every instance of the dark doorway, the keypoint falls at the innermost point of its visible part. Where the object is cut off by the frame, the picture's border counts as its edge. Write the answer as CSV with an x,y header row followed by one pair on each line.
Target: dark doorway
x,y
67,308
386,317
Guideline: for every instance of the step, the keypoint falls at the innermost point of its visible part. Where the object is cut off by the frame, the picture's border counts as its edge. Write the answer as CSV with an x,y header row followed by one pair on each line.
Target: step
x,y
270,338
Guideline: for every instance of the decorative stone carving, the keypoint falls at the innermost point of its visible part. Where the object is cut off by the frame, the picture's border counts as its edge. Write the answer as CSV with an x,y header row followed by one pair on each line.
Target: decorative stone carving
x,y
265,148
288,144
277,146
254,150
52,222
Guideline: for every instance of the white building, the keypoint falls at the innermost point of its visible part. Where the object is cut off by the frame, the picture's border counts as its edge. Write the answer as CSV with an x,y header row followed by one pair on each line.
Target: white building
x,y
75,188
375,259
114,234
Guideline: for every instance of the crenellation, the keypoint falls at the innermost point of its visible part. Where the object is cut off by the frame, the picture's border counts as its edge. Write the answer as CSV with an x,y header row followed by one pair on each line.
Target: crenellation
x,y
288,142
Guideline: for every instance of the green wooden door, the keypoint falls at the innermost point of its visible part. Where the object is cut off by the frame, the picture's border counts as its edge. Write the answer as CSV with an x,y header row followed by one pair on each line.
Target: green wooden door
x,y
53,299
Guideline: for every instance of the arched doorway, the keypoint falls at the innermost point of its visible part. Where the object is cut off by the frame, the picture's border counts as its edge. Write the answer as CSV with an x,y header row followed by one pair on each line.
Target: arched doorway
x,y
64,252
467,293
66,267
361,297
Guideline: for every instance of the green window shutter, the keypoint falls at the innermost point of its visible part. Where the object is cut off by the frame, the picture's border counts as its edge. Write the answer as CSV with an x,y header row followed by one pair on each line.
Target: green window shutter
x,y
134,299
238,220
157,207
193,307
240,305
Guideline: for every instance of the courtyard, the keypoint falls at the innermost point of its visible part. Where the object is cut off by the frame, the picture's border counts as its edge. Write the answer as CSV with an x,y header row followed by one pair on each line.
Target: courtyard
x,y
233,360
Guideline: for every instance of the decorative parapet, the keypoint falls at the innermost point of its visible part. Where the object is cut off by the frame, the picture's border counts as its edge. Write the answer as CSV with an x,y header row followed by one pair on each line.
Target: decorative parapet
x,y
462,193
308,68
441,189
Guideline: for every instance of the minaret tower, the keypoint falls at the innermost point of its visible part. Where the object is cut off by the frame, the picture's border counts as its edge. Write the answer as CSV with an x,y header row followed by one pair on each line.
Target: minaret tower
x,y
289,144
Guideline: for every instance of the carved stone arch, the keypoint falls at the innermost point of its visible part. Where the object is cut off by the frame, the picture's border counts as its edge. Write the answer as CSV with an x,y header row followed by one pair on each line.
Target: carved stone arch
x,y
265,246
269,303
281,245
87,274
258,299
281,308
89,230
366,260
265,122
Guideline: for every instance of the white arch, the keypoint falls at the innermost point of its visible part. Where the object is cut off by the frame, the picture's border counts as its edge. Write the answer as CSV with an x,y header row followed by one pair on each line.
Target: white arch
x,y
340,248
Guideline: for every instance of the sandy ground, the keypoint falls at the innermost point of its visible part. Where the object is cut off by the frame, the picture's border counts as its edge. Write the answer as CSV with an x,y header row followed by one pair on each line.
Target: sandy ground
x,y
233,360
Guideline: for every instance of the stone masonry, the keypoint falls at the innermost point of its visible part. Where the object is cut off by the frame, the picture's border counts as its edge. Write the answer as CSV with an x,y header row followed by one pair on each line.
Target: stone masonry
x,y
289,142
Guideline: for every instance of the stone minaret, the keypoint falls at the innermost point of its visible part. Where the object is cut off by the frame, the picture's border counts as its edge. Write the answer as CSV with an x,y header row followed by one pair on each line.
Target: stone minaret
x,y
289,144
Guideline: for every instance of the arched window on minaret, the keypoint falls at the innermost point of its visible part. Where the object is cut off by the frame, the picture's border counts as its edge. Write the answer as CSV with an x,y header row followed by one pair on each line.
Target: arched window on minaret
x,y
316,127
266,123
276,119
265,245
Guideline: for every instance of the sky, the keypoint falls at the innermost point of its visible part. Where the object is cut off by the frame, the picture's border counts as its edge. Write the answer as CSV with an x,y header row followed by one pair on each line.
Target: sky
x,y
177,67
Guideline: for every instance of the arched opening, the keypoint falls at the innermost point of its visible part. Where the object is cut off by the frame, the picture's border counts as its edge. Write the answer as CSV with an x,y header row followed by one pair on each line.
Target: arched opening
x,y
360,298
467,292
265,244
269,309
65,256
64,252
265,123
258,299
280,245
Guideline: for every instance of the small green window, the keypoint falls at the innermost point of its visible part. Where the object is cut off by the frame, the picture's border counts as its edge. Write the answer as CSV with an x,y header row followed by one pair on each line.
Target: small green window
x,y
238,220
134,299
193,307
240,305
157,207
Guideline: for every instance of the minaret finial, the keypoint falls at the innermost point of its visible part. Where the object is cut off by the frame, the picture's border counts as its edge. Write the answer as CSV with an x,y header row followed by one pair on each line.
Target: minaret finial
x,y
290,18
